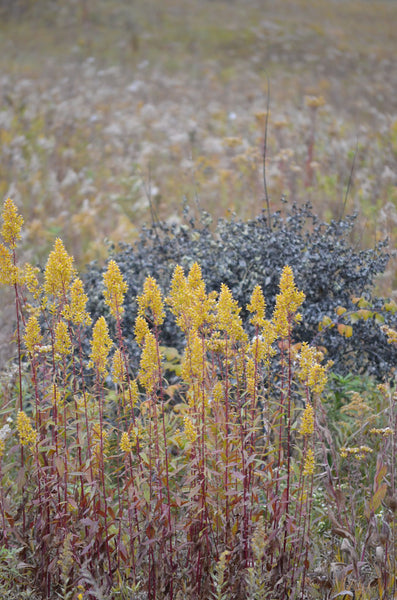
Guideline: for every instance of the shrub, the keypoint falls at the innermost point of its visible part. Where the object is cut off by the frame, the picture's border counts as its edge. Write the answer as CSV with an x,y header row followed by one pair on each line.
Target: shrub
x,y
243,254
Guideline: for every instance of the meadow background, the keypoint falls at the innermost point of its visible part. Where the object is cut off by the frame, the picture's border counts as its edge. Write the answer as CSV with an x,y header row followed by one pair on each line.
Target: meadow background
x,y
108,104
115,114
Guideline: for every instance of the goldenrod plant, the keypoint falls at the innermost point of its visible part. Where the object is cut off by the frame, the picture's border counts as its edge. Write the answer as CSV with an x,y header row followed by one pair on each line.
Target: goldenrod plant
x,y
225,483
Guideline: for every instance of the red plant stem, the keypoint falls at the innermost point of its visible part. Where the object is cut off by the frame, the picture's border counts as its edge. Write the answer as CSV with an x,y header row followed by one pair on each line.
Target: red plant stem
x,y
166,460
18,314
3,518
203,447
309,503
102,470
298,515
65,447
288,435
280,413
226,479
248,478
76,412
83,390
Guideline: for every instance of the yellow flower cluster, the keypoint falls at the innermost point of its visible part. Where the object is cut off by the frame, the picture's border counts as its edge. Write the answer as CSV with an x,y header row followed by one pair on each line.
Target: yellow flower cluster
x,y
287,303
190,430
218,392
12,224
309,464
125,442
257,306
4,432
310,371
100,346
134,392
189,302
150,302
75,311
30,279
194,359
27,435
59,271
359,452
227,315
307,423
32,337
141,330
8,271
386,431
62,344
11,232
149,367
115,289
261,346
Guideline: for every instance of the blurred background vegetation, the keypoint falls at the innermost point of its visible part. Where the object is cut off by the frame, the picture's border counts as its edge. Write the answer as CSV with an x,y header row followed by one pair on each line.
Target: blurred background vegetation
x,y
111,107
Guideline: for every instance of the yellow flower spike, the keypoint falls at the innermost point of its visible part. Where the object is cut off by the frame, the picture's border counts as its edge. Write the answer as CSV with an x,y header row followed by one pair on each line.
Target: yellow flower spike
x,y
309,464
257,306
75,311
125,442
27,435
189,302
287,303
178,292
100,346
32,337
59,271
149,368
193,360
190,430
310,371
134,392
195,278
218,392
30,279
200,304
115,289
141,330
12,224
227,316
307,423
62,343
150,302
318,378
118,368
8,271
